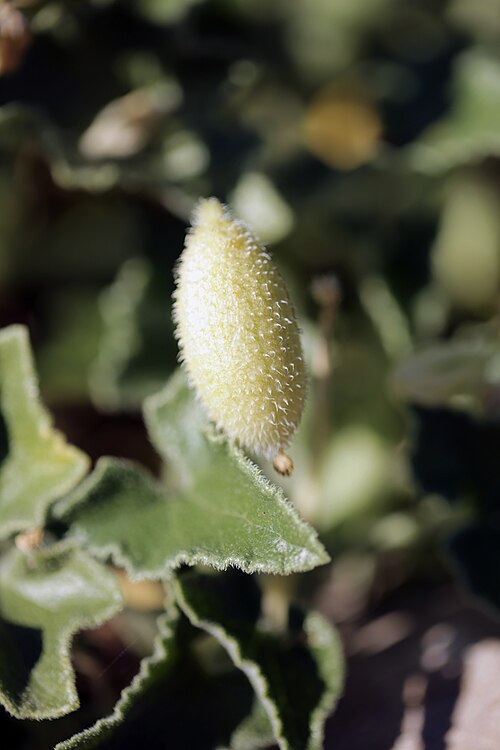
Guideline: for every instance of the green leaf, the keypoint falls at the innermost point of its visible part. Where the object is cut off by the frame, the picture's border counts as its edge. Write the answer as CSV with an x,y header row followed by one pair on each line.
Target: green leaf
x,y
297,676
222,513
154,669
122,512
182,694
137,349
255,731
354,476
21,124
325,38
37,465
470,132
45,597
209,468
65,359
433,376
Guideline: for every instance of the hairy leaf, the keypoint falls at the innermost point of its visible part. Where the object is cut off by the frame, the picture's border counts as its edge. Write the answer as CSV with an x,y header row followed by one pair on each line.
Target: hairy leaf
x,y
222,513
208,465
37,465
297,676
181,698
153,669
122,512
45,597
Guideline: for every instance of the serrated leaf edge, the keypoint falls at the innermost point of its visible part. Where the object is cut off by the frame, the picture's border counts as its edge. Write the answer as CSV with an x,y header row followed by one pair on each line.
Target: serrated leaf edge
x,y
258,478
250,668
20,334
314,622
114,551
64,643
165,623
317,628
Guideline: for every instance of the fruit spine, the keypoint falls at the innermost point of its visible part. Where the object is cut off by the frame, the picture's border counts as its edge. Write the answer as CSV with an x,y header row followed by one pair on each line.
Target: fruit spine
x,y
238,336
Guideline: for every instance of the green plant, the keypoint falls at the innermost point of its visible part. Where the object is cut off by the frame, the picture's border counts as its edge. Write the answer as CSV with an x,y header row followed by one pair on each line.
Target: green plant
x,y
213,508
172,584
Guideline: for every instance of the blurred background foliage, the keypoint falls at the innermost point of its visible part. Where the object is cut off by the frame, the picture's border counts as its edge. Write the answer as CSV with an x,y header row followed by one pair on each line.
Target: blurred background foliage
x,y
360,140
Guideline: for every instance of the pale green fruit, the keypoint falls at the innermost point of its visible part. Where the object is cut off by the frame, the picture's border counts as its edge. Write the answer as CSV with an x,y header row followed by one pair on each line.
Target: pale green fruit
x,y
238,335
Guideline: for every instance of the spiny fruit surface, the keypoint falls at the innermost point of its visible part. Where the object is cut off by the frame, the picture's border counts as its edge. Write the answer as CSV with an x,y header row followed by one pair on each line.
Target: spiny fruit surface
x,y
238,336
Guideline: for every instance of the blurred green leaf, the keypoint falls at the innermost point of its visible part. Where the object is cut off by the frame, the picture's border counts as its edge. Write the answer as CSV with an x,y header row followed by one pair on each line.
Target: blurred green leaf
x,y
480,19
466,252
72,170
101,232
22,124
354,475
37,464
297,676
325,36
124,127
45,597
255,731
222,512
256,201
137,350
164,11
433,376
154,668
177,700
65,359
470,132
